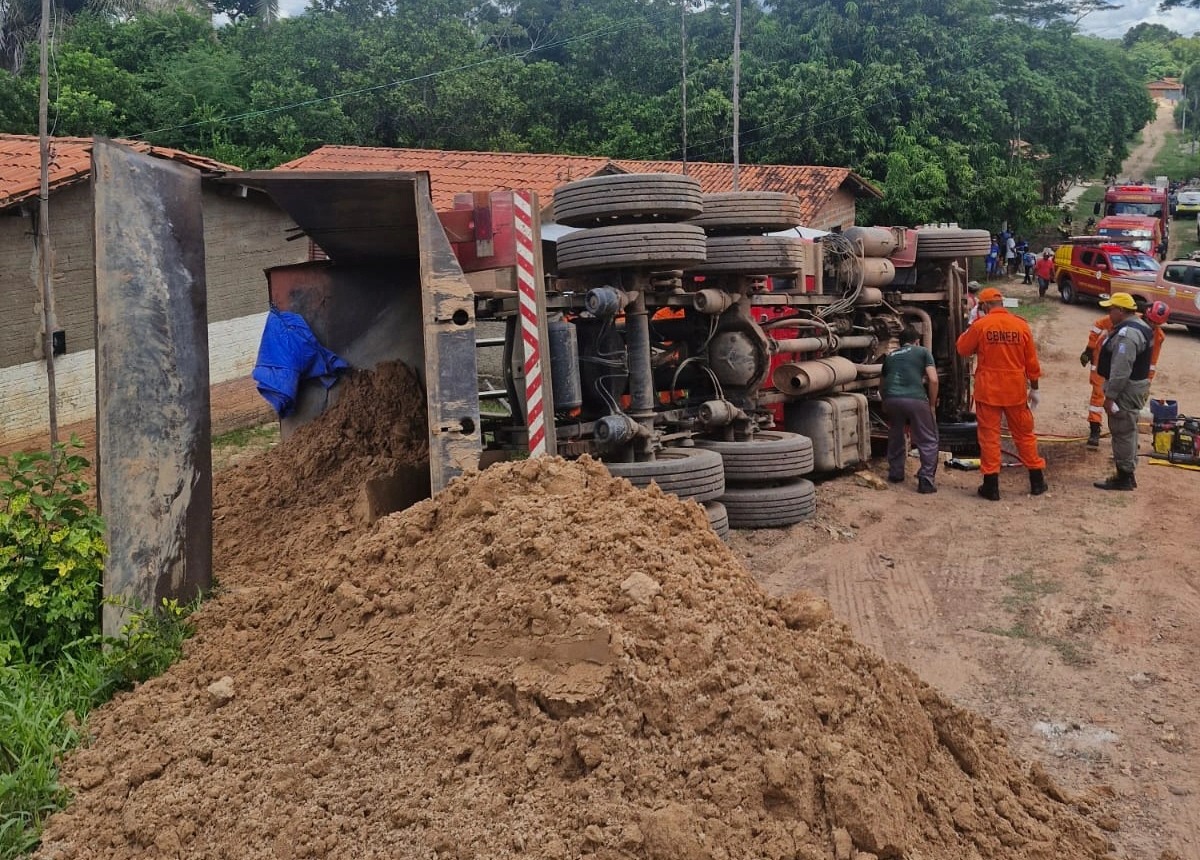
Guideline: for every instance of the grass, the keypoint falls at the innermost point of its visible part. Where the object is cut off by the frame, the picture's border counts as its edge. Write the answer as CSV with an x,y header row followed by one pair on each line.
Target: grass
x,y
39,712
1088,199
231,446
1036,309
1098,561
1183,237
1175,159
43,709
1026,589
494,407
266,435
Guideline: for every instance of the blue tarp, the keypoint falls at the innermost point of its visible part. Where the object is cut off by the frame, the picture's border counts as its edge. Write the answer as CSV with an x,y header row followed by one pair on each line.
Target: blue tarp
x,y
288,353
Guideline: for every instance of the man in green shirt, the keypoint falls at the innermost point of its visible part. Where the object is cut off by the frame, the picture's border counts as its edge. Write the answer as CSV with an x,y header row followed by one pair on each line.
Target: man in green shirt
x,y
910,391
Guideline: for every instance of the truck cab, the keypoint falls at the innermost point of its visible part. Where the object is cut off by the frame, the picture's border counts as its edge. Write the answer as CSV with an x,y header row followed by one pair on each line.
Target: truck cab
x,y
1134,231
1138,201
1092,267
1178,284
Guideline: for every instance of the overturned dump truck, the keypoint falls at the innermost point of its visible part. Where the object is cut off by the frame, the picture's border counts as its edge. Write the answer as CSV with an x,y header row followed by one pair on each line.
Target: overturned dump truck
x,y
698,341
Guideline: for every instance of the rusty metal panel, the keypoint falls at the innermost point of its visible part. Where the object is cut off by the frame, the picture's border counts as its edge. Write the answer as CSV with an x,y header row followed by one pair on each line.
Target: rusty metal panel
x,y
368,315
154,455
355,217
448,317
386,221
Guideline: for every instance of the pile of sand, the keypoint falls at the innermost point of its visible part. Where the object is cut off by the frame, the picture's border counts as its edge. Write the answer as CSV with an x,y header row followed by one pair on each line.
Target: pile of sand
x,y
541,662
274,515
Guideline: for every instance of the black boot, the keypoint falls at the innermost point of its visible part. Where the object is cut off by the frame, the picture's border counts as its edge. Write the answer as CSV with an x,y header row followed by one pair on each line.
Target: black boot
x,y
1121,481
1037,482
1093,436
990,488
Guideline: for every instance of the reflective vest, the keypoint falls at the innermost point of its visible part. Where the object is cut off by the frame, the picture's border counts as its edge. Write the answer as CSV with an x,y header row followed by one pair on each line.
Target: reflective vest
x,y
1141,363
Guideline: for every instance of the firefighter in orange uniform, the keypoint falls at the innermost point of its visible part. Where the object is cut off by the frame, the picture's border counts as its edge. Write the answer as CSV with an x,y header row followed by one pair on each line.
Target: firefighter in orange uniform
x,y
1156,314
1088,358
1006,383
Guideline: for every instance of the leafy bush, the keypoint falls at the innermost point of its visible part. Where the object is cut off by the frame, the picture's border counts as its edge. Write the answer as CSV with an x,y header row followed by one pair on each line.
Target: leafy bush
x,y
54,663
51,554
43,707
149,643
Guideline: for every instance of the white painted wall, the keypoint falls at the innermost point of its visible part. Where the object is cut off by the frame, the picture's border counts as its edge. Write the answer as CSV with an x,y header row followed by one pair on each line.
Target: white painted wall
x,y
232,349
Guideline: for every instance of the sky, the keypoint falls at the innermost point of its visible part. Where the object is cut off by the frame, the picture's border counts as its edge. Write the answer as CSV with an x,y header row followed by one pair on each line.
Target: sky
x,y
1114,24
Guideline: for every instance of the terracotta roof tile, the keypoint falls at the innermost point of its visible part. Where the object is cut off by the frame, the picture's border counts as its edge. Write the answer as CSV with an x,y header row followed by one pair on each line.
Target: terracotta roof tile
x,y
71,163
452,173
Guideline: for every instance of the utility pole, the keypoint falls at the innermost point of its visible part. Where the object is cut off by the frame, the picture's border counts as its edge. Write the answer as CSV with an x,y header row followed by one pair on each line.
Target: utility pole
x,y
1193,122
683,74
43,228
737,75
1183,129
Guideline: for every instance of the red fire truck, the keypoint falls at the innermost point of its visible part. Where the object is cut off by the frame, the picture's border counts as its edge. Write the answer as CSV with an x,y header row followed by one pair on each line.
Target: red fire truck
x,y
1146,203
1134,231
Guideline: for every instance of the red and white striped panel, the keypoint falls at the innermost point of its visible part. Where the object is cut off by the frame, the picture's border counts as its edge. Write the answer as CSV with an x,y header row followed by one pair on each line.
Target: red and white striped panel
x,y
530,332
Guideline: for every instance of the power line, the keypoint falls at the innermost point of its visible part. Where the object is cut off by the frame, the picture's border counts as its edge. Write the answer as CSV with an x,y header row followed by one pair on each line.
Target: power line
x,y
709,146
704,147
584,37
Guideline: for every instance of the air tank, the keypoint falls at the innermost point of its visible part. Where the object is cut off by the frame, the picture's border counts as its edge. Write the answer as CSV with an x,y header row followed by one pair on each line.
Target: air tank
x,y
876,241
869,296
878,272
564,366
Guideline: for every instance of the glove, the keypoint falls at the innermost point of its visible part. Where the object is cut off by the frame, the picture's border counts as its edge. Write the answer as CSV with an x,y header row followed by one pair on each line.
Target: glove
x,y
1085,358
1035,397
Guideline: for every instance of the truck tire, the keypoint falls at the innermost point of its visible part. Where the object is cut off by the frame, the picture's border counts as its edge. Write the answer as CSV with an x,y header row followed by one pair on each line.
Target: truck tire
x,y
632,246
1066,291
689,473
627,197
718,519
749,212
752,255
947,243
959,438
770,507
769,456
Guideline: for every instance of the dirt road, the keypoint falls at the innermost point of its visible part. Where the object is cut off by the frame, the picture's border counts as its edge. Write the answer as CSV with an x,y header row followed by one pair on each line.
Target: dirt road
x,y
1072,619
1140,163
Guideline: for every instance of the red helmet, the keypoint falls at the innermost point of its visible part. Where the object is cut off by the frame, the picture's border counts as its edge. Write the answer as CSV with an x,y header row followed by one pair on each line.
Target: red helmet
x,y
1157,313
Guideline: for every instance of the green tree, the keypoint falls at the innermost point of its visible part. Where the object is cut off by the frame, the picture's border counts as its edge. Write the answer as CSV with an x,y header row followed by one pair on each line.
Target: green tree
x,y
1146,32
1004,99
266,11
18,103
1153,60
20,21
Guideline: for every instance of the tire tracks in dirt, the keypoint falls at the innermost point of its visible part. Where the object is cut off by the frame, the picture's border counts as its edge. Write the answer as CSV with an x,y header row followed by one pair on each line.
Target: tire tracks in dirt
x,y
1078,607
1141,159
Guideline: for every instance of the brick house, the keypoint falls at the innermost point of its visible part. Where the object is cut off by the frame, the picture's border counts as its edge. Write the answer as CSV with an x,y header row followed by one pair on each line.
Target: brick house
x,y
828,195
1165,88
244,233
